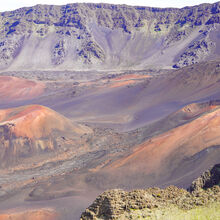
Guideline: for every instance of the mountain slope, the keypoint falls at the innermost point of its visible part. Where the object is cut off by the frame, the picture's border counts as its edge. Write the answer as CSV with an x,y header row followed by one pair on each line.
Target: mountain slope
x,y
174,156
103,36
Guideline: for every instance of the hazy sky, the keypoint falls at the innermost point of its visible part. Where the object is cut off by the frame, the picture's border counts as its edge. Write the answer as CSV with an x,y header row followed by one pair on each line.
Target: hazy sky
x,y
14,4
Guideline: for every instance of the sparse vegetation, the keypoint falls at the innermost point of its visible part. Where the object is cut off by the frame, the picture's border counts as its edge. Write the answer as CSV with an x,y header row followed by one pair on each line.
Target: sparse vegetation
x,y
209,212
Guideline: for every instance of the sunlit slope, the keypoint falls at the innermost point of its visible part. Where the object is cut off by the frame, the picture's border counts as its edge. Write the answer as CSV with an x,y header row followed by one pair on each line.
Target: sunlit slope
x,y
32,130
174,156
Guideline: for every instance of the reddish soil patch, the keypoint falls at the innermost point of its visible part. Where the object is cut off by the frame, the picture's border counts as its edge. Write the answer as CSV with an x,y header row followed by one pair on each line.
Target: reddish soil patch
x,y
185,140
122,83
13,89
35,121
31,215
125,80
130,76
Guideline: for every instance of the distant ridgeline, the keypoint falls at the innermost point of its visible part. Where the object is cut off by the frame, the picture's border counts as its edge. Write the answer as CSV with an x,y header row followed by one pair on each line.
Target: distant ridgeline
x,y
107,36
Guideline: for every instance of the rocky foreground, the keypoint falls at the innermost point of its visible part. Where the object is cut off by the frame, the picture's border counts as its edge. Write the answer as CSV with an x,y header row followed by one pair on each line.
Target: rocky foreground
x,y
201,199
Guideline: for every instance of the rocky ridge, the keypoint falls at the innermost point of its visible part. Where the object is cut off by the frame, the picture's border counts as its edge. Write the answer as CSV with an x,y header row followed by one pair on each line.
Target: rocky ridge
x,y
84,35
117,204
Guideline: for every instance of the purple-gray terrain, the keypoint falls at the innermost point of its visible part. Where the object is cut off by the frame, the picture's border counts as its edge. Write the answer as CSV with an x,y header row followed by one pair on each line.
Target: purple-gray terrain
x,y
101,96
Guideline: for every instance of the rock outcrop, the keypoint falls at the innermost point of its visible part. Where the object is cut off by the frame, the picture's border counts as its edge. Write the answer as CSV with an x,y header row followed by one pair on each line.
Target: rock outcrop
x,y
207,180
116,204
195,52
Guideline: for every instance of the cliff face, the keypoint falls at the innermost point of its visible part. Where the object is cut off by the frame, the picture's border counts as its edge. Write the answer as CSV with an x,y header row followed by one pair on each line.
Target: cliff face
x,y
107,36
